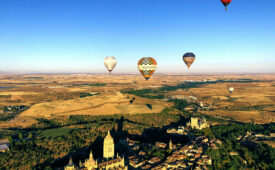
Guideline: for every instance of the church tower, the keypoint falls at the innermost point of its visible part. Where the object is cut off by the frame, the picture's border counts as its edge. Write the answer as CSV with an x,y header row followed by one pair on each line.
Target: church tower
x,y
91,163
108,147
170,144
70,166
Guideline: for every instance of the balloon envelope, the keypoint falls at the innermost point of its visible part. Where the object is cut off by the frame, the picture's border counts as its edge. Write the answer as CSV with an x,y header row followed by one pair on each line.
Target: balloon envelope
x,y
230,89
110,63
147,66
189,58
225,3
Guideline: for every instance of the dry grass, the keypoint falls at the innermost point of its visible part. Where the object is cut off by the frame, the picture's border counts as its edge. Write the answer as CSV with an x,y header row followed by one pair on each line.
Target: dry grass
x,y
245,94
271,143
52,96
112,103
19,122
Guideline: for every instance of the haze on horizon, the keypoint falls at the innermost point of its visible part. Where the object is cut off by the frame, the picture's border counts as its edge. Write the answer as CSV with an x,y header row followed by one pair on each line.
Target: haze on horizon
x,y
70,36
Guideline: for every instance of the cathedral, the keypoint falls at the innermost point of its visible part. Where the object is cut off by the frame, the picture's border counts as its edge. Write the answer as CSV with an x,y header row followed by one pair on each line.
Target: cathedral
x,y
70,166
108,162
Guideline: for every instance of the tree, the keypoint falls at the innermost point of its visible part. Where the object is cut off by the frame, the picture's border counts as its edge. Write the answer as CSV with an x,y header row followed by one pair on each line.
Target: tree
x,y
20,136
30,135
10,140
48,168
263,165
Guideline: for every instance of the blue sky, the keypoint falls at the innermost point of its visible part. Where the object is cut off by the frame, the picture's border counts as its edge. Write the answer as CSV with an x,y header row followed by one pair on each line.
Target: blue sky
x,y
76,35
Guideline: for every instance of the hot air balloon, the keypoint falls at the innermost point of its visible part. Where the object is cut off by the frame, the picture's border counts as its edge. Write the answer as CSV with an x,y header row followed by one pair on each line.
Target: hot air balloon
x,y
189,58
147,66
225,3
110,63
231,89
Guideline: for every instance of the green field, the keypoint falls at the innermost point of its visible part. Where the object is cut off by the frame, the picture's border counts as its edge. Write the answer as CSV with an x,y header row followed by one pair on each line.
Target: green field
x,y
55,132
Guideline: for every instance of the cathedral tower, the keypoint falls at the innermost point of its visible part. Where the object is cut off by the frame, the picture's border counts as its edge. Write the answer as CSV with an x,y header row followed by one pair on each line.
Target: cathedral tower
x,y
70,166
91,163
108,147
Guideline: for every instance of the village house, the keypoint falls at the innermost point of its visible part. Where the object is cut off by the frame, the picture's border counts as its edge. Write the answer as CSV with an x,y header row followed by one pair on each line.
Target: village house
x,y
4,145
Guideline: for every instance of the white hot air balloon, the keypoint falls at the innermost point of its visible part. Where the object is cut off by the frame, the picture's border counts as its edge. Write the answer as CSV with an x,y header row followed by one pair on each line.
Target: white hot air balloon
x,y
110,63
231,89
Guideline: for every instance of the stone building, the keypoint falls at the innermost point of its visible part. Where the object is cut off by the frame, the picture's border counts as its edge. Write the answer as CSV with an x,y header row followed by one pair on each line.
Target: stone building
x,y
170,144
198,123
70,166
109,161
108,147
4,145
91,163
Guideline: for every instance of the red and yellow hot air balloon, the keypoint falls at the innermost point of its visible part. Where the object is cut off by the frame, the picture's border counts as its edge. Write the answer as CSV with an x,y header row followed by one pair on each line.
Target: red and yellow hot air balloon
x,y
188,58
147,66
225,3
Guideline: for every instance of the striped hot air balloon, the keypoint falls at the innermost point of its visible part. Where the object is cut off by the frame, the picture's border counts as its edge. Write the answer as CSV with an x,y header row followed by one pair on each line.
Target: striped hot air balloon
x,y
188,58
110,63
225,3
147,67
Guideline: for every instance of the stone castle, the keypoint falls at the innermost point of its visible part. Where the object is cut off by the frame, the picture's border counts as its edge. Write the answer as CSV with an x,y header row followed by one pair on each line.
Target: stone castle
x,y
197,123
108,162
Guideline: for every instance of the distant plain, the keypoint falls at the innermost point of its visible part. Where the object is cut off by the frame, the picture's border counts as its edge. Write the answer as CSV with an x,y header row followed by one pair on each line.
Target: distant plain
x,y
51,96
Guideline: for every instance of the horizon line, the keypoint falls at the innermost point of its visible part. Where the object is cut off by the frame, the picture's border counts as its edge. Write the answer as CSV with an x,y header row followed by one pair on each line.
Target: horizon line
x,y
101,73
